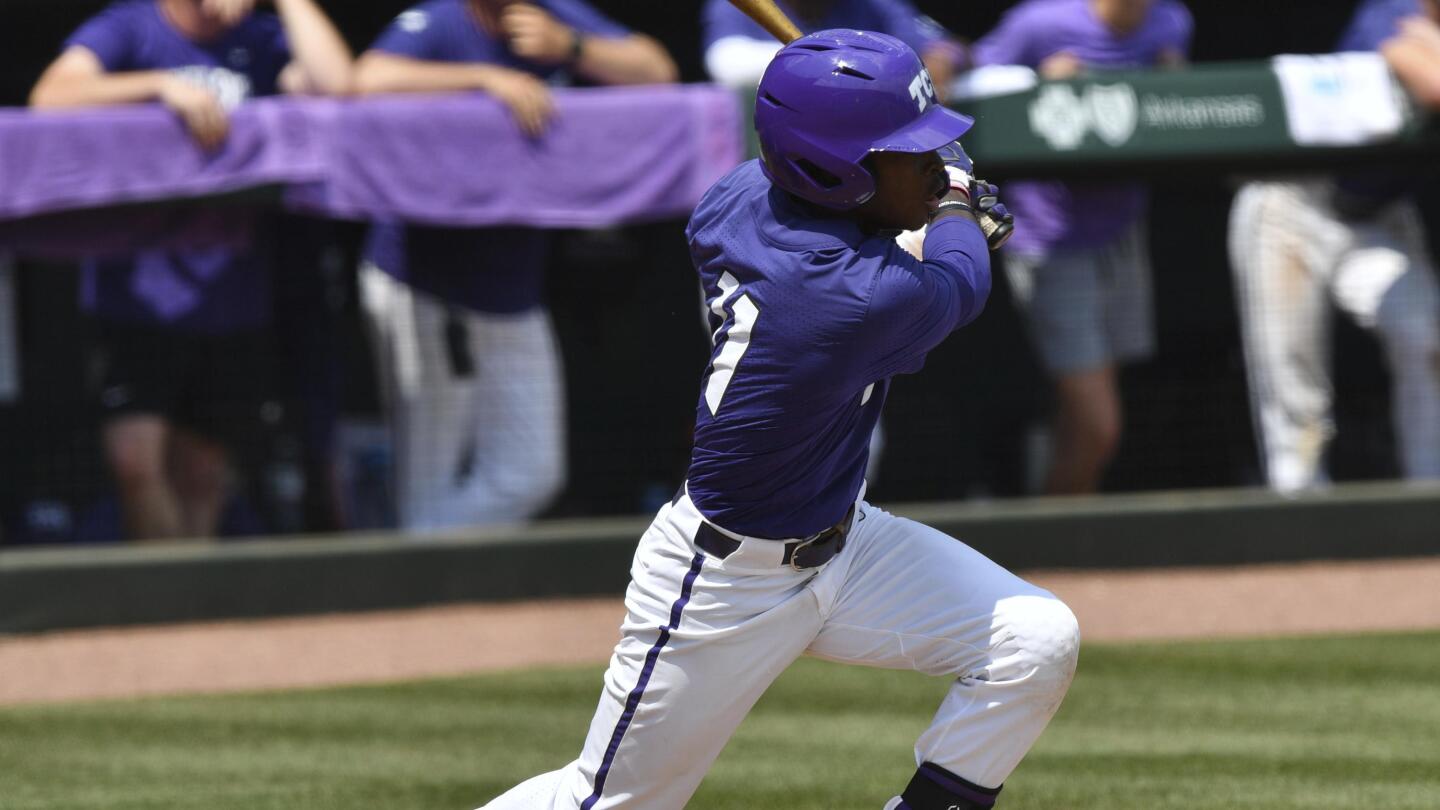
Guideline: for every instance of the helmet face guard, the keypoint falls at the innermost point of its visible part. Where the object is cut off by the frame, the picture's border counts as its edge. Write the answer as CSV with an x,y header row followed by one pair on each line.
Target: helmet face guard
x,y
829,99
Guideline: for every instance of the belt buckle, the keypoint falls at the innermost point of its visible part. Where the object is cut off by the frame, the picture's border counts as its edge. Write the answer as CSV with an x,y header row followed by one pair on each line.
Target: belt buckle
x,y
801,546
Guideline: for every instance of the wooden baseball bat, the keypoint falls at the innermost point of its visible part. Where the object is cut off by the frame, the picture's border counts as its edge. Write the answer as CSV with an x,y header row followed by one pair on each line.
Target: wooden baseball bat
x,y
770,17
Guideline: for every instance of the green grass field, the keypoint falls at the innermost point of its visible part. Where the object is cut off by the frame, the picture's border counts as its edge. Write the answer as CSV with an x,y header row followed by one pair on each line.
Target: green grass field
x,y
1259,725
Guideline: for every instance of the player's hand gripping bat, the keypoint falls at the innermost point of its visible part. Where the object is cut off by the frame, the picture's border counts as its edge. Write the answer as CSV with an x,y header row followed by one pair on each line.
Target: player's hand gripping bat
x,y
772,19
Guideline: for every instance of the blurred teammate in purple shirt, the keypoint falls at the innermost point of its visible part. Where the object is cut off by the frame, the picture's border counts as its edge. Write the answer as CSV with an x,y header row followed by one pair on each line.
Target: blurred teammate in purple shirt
x,y
467,353
737,49
182,332
1354,242
1080,264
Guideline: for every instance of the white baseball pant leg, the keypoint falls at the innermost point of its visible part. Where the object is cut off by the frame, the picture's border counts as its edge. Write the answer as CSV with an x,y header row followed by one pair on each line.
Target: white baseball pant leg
x,y
470,450
1285,327
1290,254
703,638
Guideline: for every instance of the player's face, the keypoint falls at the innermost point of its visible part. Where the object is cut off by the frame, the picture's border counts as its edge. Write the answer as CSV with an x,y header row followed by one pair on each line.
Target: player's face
x,y
213,16
1124,15
906,189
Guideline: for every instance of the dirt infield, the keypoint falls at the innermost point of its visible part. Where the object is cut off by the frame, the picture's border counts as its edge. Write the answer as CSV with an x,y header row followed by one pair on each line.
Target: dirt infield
x,y
375,647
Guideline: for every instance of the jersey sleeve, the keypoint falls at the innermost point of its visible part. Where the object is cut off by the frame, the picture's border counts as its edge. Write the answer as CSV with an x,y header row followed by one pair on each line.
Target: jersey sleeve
x,y
418,33
1373,24
915,305
586,19
1179,28
111,36
1011,42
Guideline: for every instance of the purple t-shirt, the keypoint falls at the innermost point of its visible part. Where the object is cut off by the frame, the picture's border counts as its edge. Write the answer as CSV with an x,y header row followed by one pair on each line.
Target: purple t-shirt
x,y
1374,22
1060,215
811,317
489,270
898,18
210,290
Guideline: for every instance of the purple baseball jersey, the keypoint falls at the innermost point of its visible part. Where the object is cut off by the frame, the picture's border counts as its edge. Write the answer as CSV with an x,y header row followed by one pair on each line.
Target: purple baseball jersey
x,y
1061,215
1376,21
812,318
898,18
215,290
487,270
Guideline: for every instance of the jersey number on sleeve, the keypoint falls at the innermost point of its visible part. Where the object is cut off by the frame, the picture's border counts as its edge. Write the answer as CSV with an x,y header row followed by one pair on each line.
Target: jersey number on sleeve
x,y
737,339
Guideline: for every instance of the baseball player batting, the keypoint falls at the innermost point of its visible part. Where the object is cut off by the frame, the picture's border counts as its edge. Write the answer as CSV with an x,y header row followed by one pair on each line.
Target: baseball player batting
x,y
769,550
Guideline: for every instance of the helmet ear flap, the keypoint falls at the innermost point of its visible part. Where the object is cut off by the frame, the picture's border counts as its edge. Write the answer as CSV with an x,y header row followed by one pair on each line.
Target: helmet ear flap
x,y
823,176
836,175
817,175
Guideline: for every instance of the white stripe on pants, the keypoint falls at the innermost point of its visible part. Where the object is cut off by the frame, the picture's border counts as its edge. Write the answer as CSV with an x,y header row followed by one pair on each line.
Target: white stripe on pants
x,y
704,638
1292,255
507,417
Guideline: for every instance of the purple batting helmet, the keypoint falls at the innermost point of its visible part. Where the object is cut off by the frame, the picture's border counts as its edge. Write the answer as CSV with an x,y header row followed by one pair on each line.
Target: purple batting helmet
x,y
830,98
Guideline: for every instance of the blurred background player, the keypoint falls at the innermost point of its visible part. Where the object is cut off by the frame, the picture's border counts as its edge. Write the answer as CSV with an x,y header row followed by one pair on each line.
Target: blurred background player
x,y
1357,240
183,334
467,351
1079,266
737,49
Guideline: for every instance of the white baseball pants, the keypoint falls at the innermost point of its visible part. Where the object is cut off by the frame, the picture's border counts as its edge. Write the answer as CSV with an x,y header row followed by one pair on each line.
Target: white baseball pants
x,y
703,638
470,449
1292,255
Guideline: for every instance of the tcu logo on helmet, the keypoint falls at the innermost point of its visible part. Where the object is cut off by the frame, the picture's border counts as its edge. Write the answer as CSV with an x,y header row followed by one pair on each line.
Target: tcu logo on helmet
x,y
922,89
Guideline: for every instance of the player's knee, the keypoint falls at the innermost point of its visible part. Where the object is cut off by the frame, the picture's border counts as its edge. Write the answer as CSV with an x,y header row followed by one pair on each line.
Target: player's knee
x,y
1104,436
132,473
136,464
1044,640
201,472
1093,422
